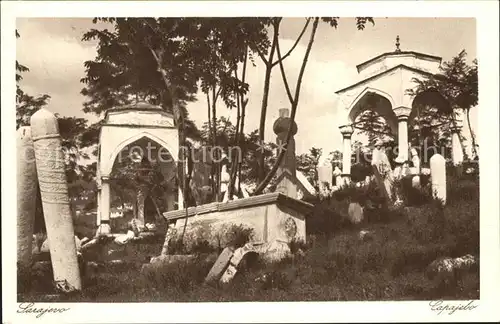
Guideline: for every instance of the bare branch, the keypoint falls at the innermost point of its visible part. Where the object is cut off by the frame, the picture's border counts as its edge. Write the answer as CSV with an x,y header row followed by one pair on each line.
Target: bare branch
x,y
295,44
276,165
282,69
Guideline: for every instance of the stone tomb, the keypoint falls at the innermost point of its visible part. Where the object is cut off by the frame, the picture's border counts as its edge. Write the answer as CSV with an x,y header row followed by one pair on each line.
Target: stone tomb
x,y
273,217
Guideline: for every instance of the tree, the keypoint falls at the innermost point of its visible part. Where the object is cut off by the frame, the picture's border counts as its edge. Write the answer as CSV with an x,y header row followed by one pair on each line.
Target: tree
x,y
308,164
457,83
163,61
26,105
373,125
294,98
224,44
336,159
248,148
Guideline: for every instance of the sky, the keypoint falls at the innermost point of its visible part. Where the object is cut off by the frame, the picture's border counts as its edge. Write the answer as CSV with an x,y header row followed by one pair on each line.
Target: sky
x,y
53,51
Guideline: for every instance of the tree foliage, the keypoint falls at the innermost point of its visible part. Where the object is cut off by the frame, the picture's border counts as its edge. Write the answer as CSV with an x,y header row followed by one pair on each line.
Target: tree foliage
x,y
457,83
308,164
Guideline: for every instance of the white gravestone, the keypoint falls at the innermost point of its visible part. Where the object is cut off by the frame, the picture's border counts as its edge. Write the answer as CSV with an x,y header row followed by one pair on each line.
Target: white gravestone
x,y
383,173
27,183
325,174
438,177
55,200
355,213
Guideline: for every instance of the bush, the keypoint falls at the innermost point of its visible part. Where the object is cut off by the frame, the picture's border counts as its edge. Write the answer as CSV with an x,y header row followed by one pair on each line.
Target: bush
x,y
238,235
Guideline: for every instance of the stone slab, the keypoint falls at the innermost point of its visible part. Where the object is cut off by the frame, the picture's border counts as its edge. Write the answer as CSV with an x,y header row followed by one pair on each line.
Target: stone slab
x,y
220,265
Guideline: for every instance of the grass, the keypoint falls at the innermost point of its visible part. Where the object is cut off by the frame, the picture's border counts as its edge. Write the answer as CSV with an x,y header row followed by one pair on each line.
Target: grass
x,y
335,264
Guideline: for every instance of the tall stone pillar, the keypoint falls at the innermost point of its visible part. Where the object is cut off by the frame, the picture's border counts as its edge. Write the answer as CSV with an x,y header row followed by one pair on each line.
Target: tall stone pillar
x,y
105,226
27,183
180,198
346,132
141,198
457,155
288,164
98,215
55,200
402,113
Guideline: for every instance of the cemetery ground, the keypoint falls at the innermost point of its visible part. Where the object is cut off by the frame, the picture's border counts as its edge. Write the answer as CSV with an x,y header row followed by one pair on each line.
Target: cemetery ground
x,y
387,256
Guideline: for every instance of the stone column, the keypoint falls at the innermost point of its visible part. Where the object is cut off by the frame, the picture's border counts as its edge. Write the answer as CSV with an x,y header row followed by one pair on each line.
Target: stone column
x,y
141,198
55,200
27,183
180,198
99,187
288,164
98,215
105,226
280,128
402,113
346,132
457,154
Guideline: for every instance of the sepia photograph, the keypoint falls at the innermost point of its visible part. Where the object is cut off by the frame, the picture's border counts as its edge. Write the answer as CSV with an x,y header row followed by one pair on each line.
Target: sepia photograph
x,y
260,158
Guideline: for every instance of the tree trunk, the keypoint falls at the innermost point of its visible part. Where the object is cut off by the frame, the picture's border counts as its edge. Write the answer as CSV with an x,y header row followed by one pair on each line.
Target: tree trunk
x,y
294,102
214,145
472,136
265,99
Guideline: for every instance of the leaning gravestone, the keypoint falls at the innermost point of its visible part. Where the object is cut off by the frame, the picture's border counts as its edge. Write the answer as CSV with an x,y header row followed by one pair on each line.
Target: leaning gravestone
x,y
55,200
27,183
438,177
220,265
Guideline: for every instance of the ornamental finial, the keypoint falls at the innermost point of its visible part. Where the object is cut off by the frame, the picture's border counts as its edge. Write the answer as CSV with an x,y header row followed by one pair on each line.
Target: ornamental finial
x,y
397,45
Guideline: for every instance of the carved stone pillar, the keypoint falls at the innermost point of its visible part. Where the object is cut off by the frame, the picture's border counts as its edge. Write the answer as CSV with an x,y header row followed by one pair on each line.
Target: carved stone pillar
x,y
402,113
50,159
288,164
98,215
141,198
27,183
280,128
346,132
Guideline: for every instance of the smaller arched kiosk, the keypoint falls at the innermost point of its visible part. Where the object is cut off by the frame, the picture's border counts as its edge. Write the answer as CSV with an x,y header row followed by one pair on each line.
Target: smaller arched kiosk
x,y
122,128
385,80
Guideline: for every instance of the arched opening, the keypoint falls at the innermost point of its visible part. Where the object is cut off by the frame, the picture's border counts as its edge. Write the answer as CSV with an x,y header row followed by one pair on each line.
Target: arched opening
x,y
143,184
373,121
429,125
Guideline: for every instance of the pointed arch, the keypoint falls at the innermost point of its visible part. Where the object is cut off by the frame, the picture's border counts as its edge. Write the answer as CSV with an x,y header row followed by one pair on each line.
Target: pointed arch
x,y
108,165
383,105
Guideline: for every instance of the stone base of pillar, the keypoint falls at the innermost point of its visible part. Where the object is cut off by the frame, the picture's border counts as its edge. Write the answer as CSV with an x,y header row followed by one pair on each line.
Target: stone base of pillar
x,y
103,229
